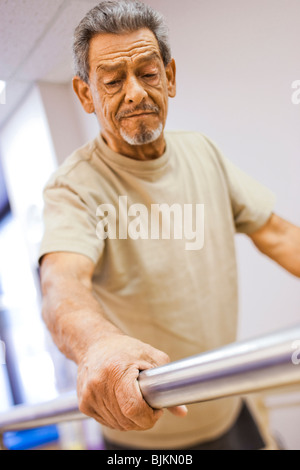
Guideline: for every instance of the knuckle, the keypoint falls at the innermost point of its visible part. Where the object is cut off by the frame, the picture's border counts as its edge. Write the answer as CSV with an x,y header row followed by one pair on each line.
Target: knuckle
x,y
88,389
114,372
164,358
87,393
138,417
83,406
83,394
148,423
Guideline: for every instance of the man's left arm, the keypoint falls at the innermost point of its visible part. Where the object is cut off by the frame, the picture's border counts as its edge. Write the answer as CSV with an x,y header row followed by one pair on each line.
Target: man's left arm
x,y
280,240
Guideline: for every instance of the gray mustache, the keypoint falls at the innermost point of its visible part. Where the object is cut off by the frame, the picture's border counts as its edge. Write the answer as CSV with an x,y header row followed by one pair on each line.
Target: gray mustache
x,y
143,107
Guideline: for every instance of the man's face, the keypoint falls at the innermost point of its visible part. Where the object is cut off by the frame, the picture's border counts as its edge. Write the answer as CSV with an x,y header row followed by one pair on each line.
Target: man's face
x,y
129,88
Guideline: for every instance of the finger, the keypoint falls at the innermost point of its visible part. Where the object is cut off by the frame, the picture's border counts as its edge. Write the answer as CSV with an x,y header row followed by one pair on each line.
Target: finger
x,y
92,403
132,403
153,357
113,417
100,413
125,423
180,411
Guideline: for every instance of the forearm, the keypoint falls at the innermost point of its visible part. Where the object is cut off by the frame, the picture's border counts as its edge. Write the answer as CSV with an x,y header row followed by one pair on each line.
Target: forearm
x,y
73,316
289,255
280,240
108,360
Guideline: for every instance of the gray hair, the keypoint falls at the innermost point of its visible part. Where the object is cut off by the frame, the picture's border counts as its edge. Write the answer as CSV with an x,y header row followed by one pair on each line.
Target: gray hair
x,y
117,17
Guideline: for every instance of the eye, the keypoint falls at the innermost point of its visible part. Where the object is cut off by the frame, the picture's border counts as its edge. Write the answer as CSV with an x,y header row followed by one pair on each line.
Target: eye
x,y
113,86
150,75
113,83
151,78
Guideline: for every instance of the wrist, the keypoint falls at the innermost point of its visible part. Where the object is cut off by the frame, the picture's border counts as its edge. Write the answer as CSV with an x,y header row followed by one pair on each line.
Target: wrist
x,y
98,338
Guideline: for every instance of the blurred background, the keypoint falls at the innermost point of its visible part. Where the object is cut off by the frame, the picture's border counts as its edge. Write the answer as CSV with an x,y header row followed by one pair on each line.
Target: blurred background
x,y
236,63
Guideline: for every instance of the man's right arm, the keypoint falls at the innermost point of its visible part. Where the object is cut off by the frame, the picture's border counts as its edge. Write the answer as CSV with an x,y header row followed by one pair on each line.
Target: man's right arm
x,y
108,360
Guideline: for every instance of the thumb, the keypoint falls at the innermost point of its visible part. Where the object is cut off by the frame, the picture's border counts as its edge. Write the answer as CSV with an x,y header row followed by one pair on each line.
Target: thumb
x,y
180,411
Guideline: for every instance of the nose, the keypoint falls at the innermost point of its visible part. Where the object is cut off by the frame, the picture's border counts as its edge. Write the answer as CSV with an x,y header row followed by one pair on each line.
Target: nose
x,y
134,92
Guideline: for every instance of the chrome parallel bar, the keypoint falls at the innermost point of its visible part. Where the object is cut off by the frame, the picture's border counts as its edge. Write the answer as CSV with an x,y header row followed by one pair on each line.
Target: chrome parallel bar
x,y
239,368
61,409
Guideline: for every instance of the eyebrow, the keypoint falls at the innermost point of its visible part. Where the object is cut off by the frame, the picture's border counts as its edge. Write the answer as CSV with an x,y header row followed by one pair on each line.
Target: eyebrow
x,y
113,67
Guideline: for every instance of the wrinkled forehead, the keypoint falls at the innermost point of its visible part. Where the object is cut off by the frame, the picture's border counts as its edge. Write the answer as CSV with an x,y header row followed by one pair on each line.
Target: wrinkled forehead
x,y
108,50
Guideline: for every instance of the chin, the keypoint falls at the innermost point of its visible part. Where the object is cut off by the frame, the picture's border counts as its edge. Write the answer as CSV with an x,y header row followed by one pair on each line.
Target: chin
x,y
143,136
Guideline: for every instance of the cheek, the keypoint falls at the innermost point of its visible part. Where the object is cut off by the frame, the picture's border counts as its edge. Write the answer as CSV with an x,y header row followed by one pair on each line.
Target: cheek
x,y
160,96
107,109
155,97
162,102
101,100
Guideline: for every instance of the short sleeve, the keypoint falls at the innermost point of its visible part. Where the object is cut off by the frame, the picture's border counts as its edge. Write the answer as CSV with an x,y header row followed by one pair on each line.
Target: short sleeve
x,y
252,203
69,224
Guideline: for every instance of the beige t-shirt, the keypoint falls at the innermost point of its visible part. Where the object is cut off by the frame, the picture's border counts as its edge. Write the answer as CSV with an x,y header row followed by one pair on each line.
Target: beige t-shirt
x,y
169,280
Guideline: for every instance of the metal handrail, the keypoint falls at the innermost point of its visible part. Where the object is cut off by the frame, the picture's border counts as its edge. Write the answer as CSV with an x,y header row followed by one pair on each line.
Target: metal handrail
x,y
61,409
263,363
240,368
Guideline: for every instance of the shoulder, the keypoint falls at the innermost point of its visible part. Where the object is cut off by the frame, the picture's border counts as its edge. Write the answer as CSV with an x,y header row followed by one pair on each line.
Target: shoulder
x,y
75,167
195,146
192,139
183,135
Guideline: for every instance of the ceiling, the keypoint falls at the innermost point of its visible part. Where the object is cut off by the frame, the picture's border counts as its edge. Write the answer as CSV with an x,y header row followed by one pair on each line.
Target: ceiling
x,y
35,44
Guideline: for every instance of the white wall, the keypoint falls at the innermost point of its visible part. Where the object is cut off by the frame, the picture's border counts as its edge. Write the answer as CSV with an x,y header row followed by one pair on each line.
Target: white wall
x,y
66,132
88,122
28,158
69,125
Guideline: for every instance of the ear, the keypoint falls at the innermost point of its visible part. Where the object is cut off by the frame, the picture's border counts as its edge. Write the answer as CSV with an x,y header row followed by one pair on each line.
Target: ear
x,y
84,94
171,78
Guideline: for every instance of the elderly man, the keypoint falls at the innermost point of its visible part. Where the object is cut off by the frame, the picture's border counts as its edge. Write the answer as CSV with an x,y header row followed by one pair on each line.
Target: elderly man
x,y
137,261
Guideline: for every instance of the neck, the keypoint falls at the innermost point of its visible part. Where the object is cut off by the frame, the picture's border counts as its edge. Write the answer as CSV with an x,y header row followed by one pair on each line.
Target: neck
x,y
143,152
